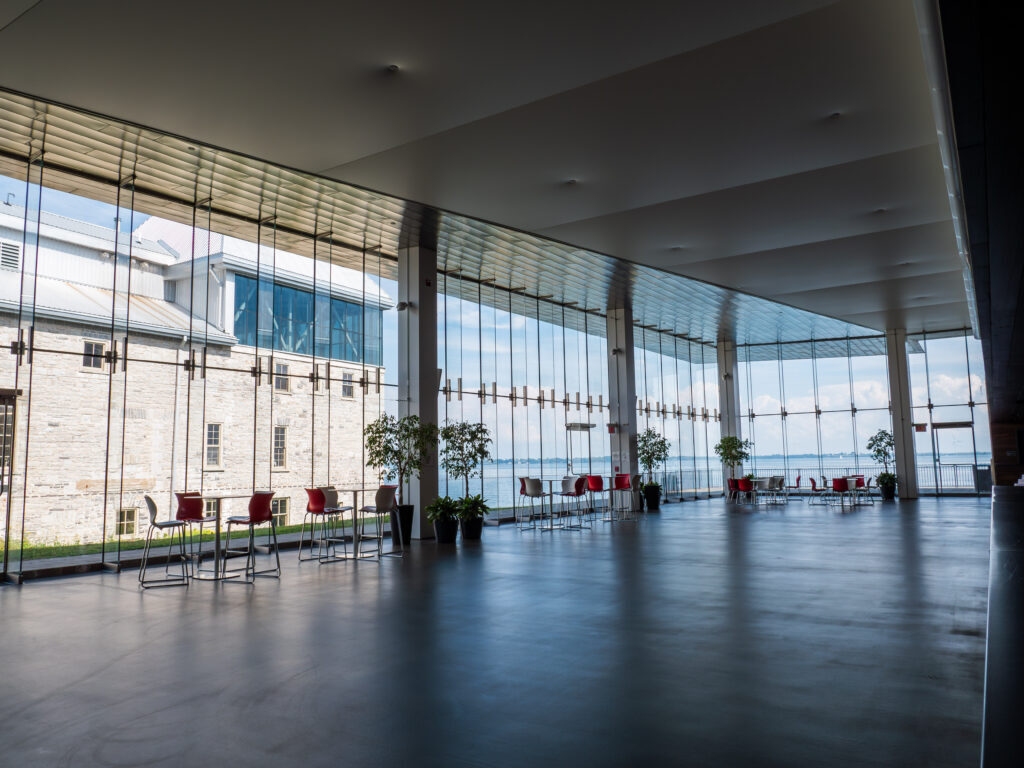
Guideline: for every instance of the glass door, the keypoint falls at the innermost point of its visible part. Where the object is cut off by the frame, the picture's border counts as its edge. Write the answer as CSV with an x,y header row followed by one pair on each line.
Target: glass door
x,y
953,446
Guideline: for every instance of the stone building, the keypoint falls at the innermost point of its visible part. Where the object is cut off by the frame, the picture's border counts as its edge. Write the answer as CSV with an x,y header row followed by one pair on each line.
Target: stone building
x,y
209,365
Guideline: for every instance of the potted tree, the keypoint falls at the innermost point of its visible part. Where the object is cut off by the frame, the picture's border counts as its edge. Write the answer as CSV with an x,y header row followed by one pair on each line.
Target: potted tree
x,y
443,513
733,452
651,451
883,449
465,445
397,448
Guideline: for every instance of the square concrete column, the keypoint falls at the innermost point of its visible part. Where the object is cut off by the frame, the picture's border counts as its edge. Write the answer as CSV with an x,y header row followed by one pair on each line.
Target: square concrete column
x,y
729,390
622,390
902,415
417,364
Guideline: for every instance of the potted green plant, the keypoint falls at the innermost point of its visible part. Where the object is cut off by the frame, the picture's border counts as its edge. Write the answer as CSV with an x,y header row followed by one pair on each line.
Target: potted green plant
x,y
733,452
882,447
397,449
465,445
443,513
651,451
472,510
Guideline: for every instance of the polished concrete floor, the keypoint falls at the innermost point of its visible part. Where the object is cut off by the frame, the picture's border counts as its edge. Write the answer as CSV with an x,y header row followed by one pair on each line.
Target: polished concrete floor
x,y
702,636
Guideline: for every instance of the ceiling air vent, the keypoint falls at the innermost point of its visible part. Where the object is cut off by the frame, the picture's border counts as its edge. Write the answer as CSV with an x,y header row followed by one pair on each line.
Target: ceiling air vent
x,y
10,255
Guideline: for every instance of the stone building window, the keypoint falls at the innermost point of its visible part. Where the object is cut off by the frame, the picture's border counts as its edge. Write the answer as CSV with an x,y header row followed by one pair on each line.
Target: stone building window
x,y
279,510
126,521
213,437
347,387
92,354
281,381
280,447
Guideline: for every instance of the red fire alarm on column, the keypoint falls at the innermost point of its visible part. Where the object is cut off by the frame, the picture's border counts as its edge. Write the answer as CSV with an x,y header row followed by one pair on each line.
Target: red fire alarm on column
x,y
611,429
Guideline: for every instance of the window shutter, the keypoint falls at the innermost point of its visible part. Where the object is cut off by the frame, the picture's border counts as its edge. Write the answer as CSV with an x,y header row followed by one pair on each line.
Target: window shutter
x,y
10,255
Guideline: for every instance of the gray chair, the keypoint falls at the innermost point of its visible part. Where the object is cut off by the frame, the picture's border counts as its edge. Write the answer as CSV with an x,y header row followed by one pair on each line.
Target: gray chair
x,y
383,502
534,491
166,525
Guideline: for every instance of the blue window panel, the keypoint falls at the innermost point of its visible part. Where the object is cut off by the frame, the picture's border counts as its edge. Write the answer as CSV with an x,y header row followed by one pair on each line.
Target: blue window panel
x,y
291,320
322,326
245,310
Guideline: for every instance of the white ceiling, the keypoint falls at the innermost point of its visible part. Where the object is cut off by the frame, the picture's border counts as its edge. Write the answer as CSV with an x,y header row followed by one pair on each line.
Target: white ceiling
x,y
782,148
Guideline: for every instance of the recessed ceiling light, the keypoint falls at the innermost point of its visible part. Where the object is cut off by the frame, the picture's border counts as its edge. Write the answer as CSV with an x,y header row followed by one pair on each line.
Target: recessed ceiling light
x,y
676,248
191,148
881,210
570,182
835,115
392,68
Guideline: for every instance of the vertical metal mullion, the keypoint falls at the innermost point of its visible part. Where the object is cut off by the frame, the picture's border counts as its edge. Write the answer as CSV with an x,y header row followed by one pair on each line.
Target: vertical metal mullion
x,y
110,371
127,330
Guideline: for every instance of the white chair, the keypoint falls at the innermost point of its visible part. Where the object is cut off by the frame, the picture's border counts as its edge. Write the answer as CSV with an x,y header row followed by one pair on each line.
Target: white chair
x,y
762,488
523,513
166,525
534,491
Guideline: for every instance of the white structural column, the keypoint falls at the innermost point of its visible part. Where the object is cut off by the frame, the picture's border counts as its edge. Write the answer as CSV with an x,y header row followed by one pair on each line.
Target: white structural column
x,y
417,364
902,415
622,390
729,390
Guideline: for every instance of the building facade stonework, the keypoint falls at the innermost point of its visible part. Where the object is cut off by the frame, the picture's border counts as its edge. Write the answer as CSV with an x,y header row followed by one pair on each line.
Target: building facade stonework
x,y
98,441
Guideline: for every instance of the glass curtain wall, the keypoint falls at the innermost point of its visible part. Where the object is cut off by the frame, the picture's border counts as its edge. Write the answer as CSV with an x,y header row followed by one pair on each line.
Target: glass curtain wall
x,y
677,397
535,372
198,360
951,429
810,407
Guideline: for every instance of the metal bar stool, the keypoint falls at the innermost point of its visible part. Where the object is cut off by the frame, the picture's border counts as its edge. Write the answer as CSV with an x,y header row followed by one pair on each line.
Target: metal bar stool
x,y
192,511
595,485
524,515
534,491
573,491
260,513
166,525
383,503
322,512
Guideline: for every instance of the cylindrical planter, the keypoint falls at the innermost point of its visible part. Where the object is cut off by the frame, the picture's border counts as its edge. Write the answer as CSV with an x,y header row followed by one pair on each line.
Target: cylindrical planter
x,y
404,515
472,529
888,492
653,498
445,531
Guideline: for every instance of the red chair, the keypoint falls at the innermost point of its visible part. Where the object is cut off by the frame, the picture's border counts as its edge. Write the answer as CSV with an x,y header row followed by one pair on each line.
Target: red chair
x,y
816,493
192,511
623,491
840,489
578,491
734,489
595,484
260,513
319,512
746,485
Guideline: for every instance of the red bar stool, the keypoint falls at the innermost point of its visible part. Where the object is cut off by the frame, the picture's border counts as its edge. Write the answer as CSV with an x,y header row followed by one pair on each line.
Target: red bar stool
x,y
622,494
192,511
260,513
320,512
595,485
746,486
166,525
